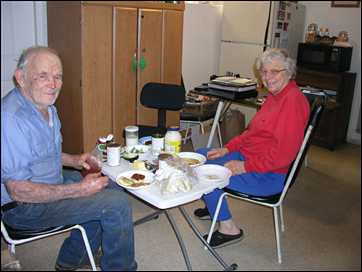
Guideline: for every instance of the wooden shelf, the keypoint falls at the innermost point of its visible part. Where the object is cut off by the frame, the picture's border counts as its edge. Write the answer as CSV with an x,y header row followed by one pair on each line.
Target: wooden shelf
x,y
332,128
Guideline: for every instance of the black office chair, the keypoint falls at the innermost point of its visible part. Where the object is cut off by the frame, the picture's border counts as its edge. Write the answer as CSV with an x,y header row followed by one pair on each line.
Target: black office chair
x,y
275,201
163,97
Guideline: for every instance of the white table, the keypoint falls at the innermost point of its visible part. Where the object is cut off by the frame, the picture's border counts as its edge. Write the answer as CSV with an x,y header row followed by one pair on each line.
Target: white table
x,y
153,196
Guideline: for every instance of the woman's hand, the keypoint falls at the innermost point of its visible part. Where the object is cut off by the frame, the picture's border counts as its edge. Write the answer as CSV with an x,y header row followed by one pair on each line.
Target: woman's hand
x,y
217,153
236,167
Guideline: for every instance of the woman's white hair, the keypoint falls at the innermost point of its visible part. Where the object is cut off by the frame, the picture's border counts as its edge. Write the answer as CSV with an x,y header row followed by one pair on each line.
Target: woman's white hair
x,y
278,54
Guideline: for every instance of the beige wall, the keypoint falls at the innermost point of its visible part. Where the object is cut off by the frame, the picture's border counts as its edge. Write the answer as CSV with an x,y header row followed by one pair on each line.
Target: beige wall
x,y
336,20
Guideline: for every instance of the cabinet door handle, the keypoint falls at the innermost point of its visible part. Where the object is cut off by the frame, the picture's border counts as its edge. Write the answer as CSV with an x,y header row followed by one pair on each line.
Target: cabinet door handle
x,y
143,63
134,63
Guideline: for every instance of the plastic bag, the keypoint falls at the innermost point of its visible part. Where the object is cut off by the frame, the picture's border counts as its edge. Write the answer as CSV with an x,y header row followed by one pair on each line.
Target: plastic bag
x,y
175,175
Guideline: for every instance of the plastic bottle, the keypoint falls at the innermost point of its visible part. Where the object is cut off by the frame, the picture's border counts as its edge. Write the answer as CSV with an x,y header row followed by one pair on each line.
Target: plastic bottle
x,y
173,140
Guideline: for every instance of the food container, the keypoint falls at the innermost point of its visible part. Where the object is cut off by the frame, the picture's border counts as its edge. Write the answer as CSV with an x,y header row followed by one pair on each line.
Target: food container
x,y
114,154
173,140
131,135
158,142
343,36
312,33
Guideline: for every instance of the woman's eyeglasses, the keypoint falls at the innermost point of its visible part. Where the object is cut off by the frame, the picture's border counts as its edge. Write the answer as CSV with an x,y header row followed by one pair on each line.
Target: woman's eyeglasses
x,y
271,72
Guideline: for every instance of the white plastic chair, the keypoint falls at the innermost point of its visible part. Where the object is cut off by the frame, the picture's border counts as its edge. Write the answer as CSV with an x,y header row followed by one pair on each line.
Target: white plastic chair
x,y
16,237
275,201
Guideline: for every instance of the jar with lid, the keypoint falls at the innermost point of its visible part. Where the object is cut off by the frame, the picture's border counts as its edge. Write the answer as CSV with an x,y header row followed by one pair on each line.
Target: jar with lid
x,y
114,154
173,140
342,36
131,135
312,33
324,32
158,140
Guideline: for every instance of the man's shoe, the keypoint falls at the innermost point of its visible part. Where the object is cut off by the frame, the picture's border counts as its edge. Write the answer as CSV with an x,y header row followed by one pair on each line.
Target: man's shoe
x,y
202,214
85,265
219,239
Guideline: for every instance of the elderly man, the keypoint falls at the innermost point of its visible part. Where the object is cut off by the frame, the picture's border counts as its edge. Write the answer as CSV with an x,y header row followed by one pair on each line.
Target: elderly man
x,y
36,193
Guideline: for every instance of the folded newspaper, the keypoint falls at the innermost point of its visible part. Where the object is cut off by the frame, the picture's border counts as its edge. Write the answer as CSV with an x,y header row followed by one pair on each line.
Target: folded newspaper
x,y
235,84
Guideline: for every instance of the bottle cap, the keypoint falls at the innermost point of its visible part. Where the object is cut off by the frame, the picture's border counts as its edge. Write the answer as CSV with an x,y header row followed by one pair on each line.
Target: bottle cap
x,y
132,128
173,128
157,135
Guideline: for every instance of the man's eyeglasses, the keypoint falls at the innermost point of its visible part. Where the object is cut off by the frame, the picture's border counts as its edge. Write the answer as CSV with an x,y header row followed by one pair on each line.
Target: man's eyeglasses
x,y
44,77
271,72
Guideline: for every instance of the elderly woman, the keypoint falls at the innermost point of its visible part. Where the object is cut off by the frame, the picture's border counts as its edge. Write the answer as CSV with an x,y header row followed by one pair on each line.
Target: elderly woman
x,y
259,158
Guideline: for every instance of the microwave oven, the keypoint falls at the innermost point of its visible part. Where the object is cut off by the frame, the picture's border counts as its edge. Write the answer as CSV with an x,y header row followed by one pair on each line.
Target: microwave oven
x,y
324,57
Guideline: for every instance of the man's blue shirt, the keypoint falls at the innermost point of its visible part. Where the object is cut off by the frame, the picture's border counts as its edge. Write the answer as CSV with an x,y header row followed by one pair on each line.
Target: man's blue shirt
x,y
30,146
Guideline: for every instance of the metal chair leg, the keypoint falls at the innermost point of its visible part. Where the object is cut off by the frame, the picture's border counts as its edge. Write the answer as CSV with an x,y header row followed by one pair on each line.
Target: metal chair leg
x,y
12,249
281,218
219,133
277,234
215,217
87,246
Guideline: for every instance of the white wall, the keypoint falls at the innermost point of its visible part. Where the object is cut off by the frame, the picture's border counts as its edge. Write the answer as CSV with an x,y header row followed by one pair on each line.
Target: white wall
x,y
336,20
23,24
199,59
201,43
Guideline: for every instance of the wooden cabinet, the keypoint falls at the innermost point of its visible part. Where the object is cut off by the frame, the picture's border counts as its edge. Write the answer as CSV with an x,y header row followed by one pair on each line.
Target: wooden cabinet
x,y
333,125
109,50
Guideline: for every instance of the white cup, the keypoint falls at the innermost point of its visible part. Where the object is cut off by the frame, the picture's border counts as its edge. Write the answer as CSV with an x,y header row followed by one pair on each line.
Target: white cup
x,y
131,136
158,142
114,154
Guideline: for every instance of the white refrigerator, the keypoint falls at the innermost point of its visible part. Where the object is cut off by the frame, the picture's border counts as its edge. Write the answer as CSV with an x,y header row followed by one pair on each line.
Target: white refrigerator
x,y
247,30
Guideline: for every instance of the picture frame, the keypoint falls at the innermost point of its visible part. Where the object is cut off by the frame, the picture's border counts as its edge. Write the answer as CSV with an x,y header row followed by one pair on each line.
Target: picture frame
x,y
345,4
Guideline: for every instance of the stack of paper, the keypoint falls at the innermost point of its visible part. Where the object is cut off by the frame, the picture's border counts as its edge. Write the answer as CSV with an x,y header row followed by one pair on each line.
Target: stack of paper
x,y
234,84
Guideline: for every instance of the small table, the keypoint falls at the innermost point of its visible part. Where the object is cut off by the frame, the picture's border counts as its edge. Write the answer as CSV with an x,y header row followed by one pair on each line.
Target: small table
x,y
222,107
162,203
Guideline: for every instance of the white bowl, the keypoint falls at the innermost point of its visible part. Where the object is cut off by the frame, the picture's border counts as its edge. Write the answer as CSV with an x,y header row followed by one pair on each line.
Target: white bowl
x,y
194,156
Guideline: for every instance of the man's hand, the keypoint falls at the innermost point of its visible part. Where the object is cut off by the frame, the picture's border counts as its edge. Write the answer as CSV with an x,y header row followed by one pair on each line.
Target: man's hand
x,y
236,167
83,161
77,161
217,153
93,183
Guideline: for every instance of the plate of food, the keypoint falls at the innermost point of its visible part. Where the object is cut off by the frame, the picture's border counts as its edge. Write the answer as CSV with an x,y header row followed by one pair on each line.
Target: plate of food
x,y
193,159
212,173
135,179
